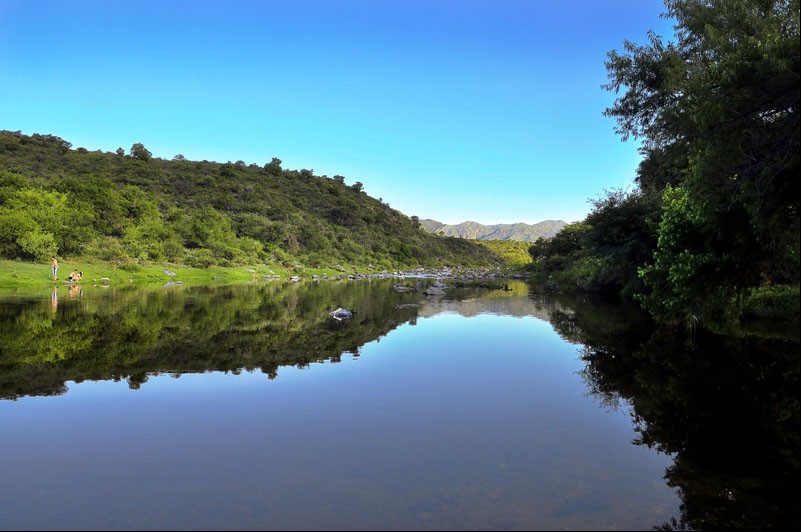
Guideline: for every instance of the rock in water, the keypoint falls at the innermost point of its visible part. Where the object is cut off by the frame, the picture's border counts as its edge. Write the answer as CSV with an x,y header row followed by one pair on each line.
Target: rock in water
x,y
434,291
341,314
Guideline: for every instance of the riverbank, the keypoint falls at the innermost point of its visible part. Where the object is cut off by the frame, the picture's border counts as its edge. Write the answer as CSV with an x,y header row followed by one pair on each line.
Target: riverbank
x,y
21,275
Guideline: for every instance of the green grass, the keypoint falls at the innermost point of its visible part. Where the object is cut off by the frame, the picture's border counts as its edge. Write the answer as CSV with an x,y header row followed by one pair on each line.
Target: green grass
x,y
20,275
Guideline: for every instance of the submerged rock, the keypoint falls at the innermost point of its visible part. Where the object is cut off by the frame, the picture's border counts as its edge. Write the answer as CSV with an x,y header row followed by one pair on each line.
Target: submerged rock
x,y
434,291
403,288
341,314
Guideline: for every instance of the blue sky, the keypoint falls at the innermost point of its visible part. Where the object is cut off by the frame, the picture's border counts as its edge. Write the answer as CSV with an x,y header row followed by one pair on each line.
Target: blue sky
x,y
489,111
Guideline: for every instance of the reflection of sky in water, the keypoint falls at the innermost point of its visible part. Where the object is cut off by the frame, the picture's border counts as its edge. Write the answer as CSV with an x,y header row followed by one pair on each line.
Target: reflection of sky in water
x,y
451,423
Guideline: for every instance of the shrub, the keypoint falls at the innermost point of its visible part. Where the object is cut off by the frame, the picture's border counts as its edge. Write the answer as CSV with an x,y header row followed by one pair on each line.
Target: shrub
x,y
200,258
38,244
781,302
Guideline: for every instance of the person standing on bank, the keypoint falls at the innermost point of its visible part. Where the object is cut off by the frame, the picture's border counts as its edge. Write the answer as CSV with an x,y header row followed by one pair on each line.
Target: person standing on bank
x,y
54,264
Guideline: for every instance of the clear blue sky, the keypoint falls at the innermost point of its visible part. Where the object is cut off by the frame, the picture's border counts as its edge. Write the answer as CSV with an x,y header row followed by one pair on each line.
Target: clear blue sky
x,y
482,110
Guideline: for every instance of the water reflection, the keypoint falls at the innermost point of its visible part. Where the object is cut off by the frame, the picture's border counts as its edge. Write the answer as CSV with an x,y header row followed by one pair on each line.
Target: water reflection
x,y
126,334
724,411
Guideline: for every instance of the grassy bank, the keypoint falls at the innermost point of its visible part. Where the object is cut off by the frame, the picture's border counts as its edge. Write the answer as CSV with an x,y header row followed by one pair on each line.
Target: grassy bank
x,y
17,275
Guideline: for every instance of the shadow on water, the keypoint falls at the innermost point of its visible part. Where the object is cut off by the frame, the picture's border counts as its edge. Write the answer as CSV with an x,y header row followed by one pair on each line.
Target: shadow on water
x,y
726,410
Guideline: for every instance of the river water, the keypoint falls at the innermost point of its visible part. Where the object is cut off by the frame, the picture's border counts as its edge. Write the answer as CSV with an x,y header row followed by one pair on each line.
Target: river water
x,y
488,408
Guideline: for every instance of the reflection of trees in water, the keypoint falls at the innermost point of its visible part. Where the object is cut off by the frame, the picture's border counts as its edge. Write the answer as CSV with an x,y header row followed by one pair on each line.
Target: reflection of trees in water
x,y
130,334
468,302
726,410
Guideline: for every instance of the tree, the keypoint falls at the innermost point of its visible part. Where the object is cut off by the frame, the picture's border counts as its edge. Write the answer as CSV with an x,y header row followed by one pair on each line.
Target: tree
x,y
623,234
38,244
274,166
35,223
62,145
138,151
717,111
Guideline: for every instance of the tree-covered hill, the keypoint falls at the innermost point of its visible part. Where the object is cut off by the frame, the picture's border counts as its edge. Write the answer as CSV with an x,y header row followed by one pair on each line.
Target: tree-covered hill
x,y
131,206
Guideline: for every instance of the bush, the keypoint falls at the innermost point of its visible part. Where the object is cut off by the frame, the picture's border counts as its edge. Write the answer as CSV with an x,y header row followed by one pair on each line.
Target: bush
x,y
129,265
200,258
779,302
106,248
38,244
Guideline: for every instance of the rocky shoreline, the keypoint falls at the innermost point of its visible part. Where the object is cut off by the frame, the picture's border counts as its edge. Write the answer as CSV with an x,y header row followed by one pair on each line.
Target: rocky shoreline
x,y
420,273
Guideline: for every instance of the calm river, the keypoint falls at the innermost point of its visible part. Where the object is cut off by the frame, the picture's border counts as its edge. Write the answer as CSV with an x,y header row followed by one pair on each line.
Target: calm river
x,y
249,407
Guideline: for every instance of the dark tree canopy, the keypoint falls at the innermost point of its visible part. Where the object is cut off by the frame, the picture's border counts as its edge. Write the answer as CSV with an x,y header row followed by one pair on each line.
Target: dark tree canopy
x,y
717,110
714,223
138,151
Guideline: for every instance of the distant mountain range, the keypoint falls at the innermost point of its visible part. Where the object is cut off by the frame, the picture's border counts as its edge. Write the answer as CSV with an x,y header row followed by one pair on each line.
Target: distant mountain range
x,y
476,231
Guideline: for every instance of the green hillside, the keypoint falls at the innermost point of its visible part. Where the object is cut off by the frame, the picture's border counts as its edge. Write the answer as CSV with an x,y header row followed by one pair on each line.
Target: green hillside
x,y
128,206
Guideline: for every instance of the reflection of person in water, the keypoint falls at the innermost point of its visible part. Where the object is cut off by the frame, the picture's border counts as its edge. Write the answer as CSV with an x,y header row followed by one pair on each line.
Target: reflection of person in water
x,y
75,290
54,299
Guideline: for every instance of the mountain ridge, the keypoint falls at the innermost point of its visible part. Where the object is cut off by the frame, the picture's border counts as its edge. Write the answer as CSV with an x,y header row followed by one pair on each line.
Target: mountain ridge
x,y
521,232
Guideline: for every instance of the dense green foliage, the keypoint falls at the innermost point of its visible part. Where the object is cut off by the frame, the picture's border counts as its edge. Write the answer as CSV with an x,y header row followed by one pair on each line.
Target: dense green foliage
x,y
138,208
713,226
603,252
513,253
